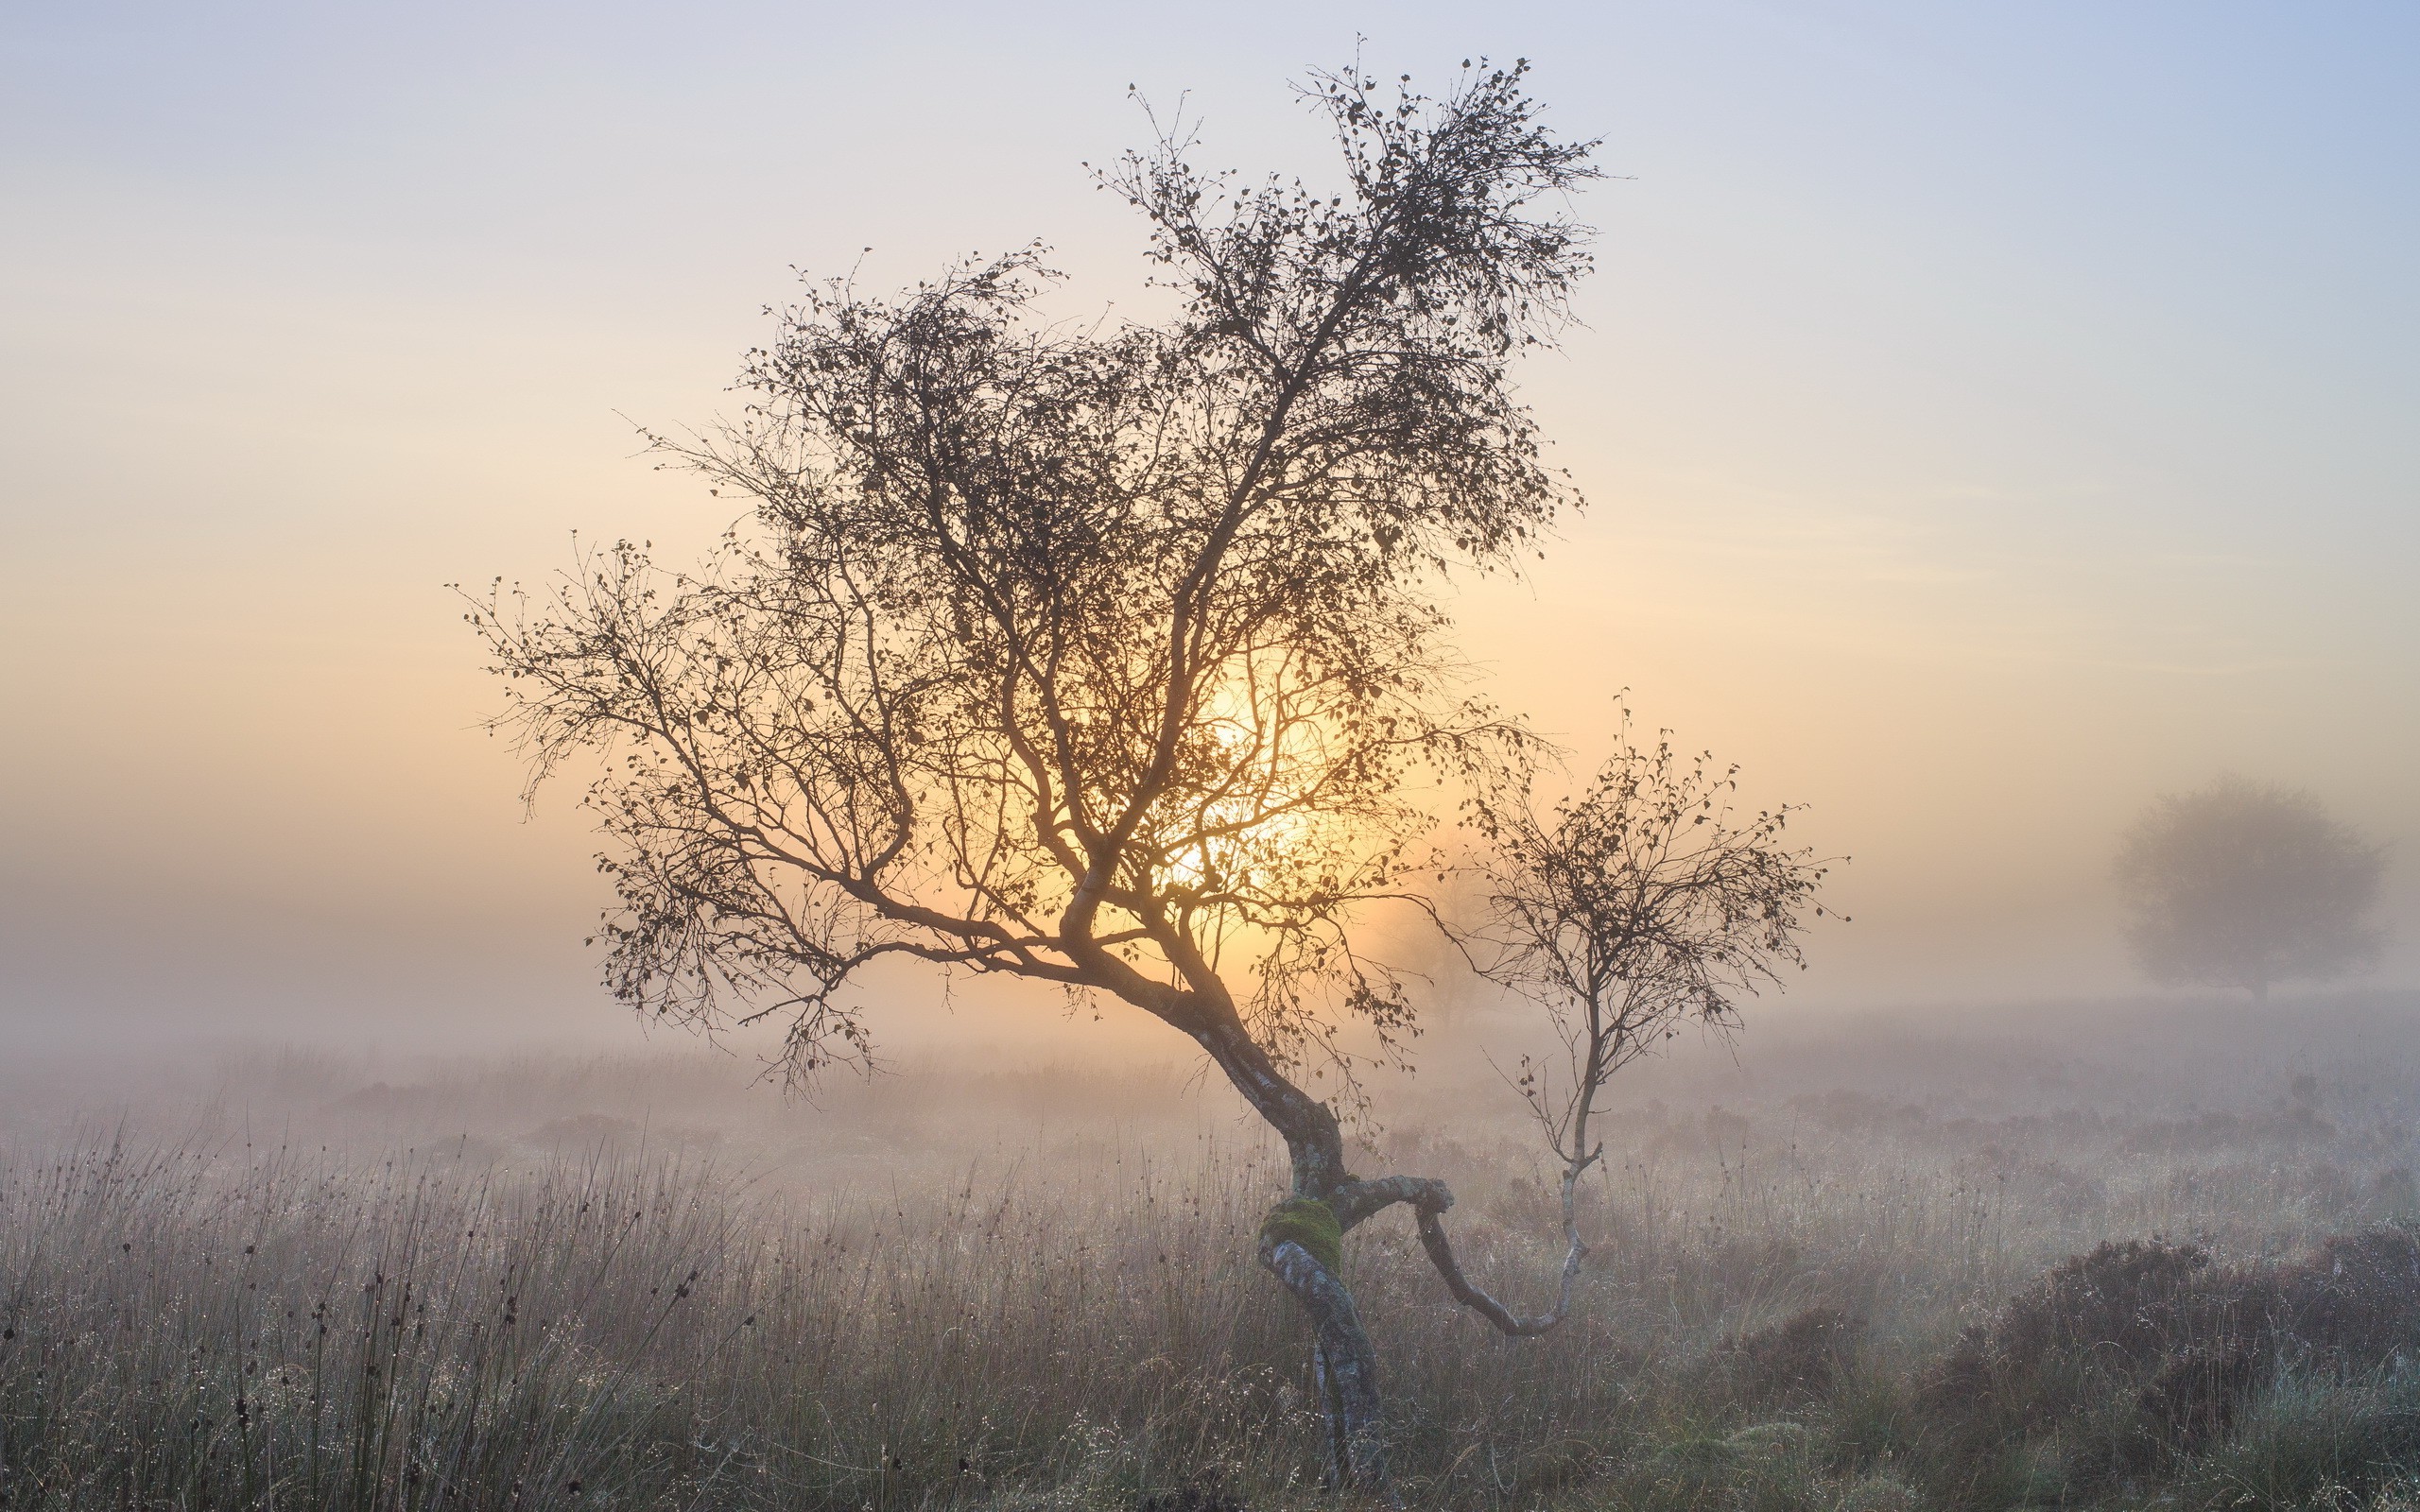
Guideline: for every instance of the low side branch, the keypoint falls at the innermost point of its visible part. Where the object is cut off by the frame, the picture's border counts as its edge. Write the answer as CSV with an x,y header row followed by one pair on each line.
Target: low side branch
x,y
1356,1202
1440,1254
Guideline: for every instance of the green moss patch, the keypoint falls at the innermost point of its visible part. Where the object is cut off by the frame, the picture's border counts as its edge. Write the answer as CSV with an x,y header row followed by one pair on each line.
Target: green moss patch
x,y
1311,1224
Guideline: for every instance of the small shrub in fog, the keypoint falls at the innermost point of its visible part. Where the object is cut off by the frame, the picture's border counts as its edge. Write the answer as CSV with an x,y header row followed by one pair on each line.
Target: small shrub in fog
x,y
1806,1357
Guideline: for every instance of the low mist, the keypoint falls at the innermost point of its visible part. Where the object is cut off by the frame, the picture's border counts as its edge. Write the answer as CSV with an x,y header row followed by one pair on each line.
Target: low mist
x,y
1323,758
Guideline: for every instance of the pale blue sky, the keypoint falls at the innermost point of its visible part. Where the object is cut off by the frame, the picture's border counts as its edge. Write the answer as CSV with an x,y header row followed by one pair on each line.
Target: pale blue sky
x,y
1995,414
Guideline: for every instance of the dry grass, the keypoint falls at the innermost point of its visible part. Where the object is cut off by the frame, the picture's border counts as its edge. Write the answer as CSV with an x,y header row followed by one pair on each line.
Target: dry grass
x,y
605,1287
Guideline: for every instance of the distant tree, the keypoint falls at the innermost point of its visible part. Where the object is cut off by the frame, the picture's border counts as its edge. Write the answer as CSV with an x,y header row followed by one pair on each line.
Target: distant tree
x,y
1111,657
1640,905
2244,884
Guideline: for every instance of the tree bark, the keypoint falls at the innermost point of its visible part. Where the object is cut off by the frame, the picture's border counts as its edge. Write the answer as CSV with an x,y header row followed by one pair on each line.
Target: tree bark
x,y
1314,1141
1345,1368
1343,1362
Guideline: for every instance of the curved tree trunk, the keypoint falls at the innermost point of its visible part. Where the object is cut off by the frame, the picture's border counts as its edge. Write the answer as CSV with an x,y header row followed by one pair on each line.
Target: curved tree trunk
x,y
1344,1369
1344,1364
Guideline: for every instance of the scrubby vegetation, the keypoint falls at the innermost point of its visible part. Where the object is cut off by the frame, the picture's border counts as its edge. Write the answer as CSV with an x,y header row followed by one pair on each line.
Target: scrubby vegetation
x,y
575,1285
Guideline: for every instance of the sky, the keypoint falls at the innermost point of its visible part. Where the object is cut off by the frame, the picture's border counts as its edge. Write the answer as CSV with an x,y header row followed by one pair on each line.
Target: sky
x,y
1991,415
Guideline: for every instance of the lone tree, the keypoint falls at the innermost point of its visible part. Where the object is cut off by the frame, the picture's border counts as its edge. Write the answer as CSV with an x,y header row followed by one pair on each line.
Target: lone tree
x,y
1642,904
2244,884
1105,657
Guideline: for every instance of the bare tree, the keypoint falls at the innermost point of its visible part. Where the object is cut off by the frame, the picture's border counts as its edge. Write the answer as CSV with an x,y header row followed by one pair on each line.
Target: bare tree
x,y
1110,657
2244,884
1637,907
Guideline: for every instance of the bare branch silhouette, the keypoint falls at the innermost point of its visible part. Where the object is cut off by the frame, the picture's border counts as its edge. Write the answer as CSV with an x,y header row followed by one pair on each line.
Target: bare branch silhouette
x,y
1107,658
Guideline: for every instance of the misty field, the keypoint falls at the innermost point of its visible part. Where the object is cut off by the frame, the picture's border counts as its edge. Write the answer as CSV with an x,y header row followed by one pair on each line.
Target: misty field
x,y
1818,1280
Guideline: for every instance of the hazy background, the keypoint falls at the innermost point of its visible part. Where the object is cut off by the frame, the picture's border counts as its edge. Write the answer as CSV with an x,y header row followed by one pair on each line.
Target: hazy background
x,y
1995,414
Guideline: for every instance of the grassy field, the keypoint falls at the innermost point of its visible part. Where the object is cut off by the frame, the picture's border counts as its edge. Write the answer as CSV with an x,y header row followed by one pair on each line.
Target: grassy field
x,y
1826,1275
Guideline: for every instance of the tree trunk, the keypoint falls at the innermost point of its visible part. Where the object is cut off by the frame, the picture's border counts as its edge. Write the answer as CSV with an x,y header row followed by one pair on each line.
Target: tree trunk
x,y
1344,1369
1344,1366
1314,1141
